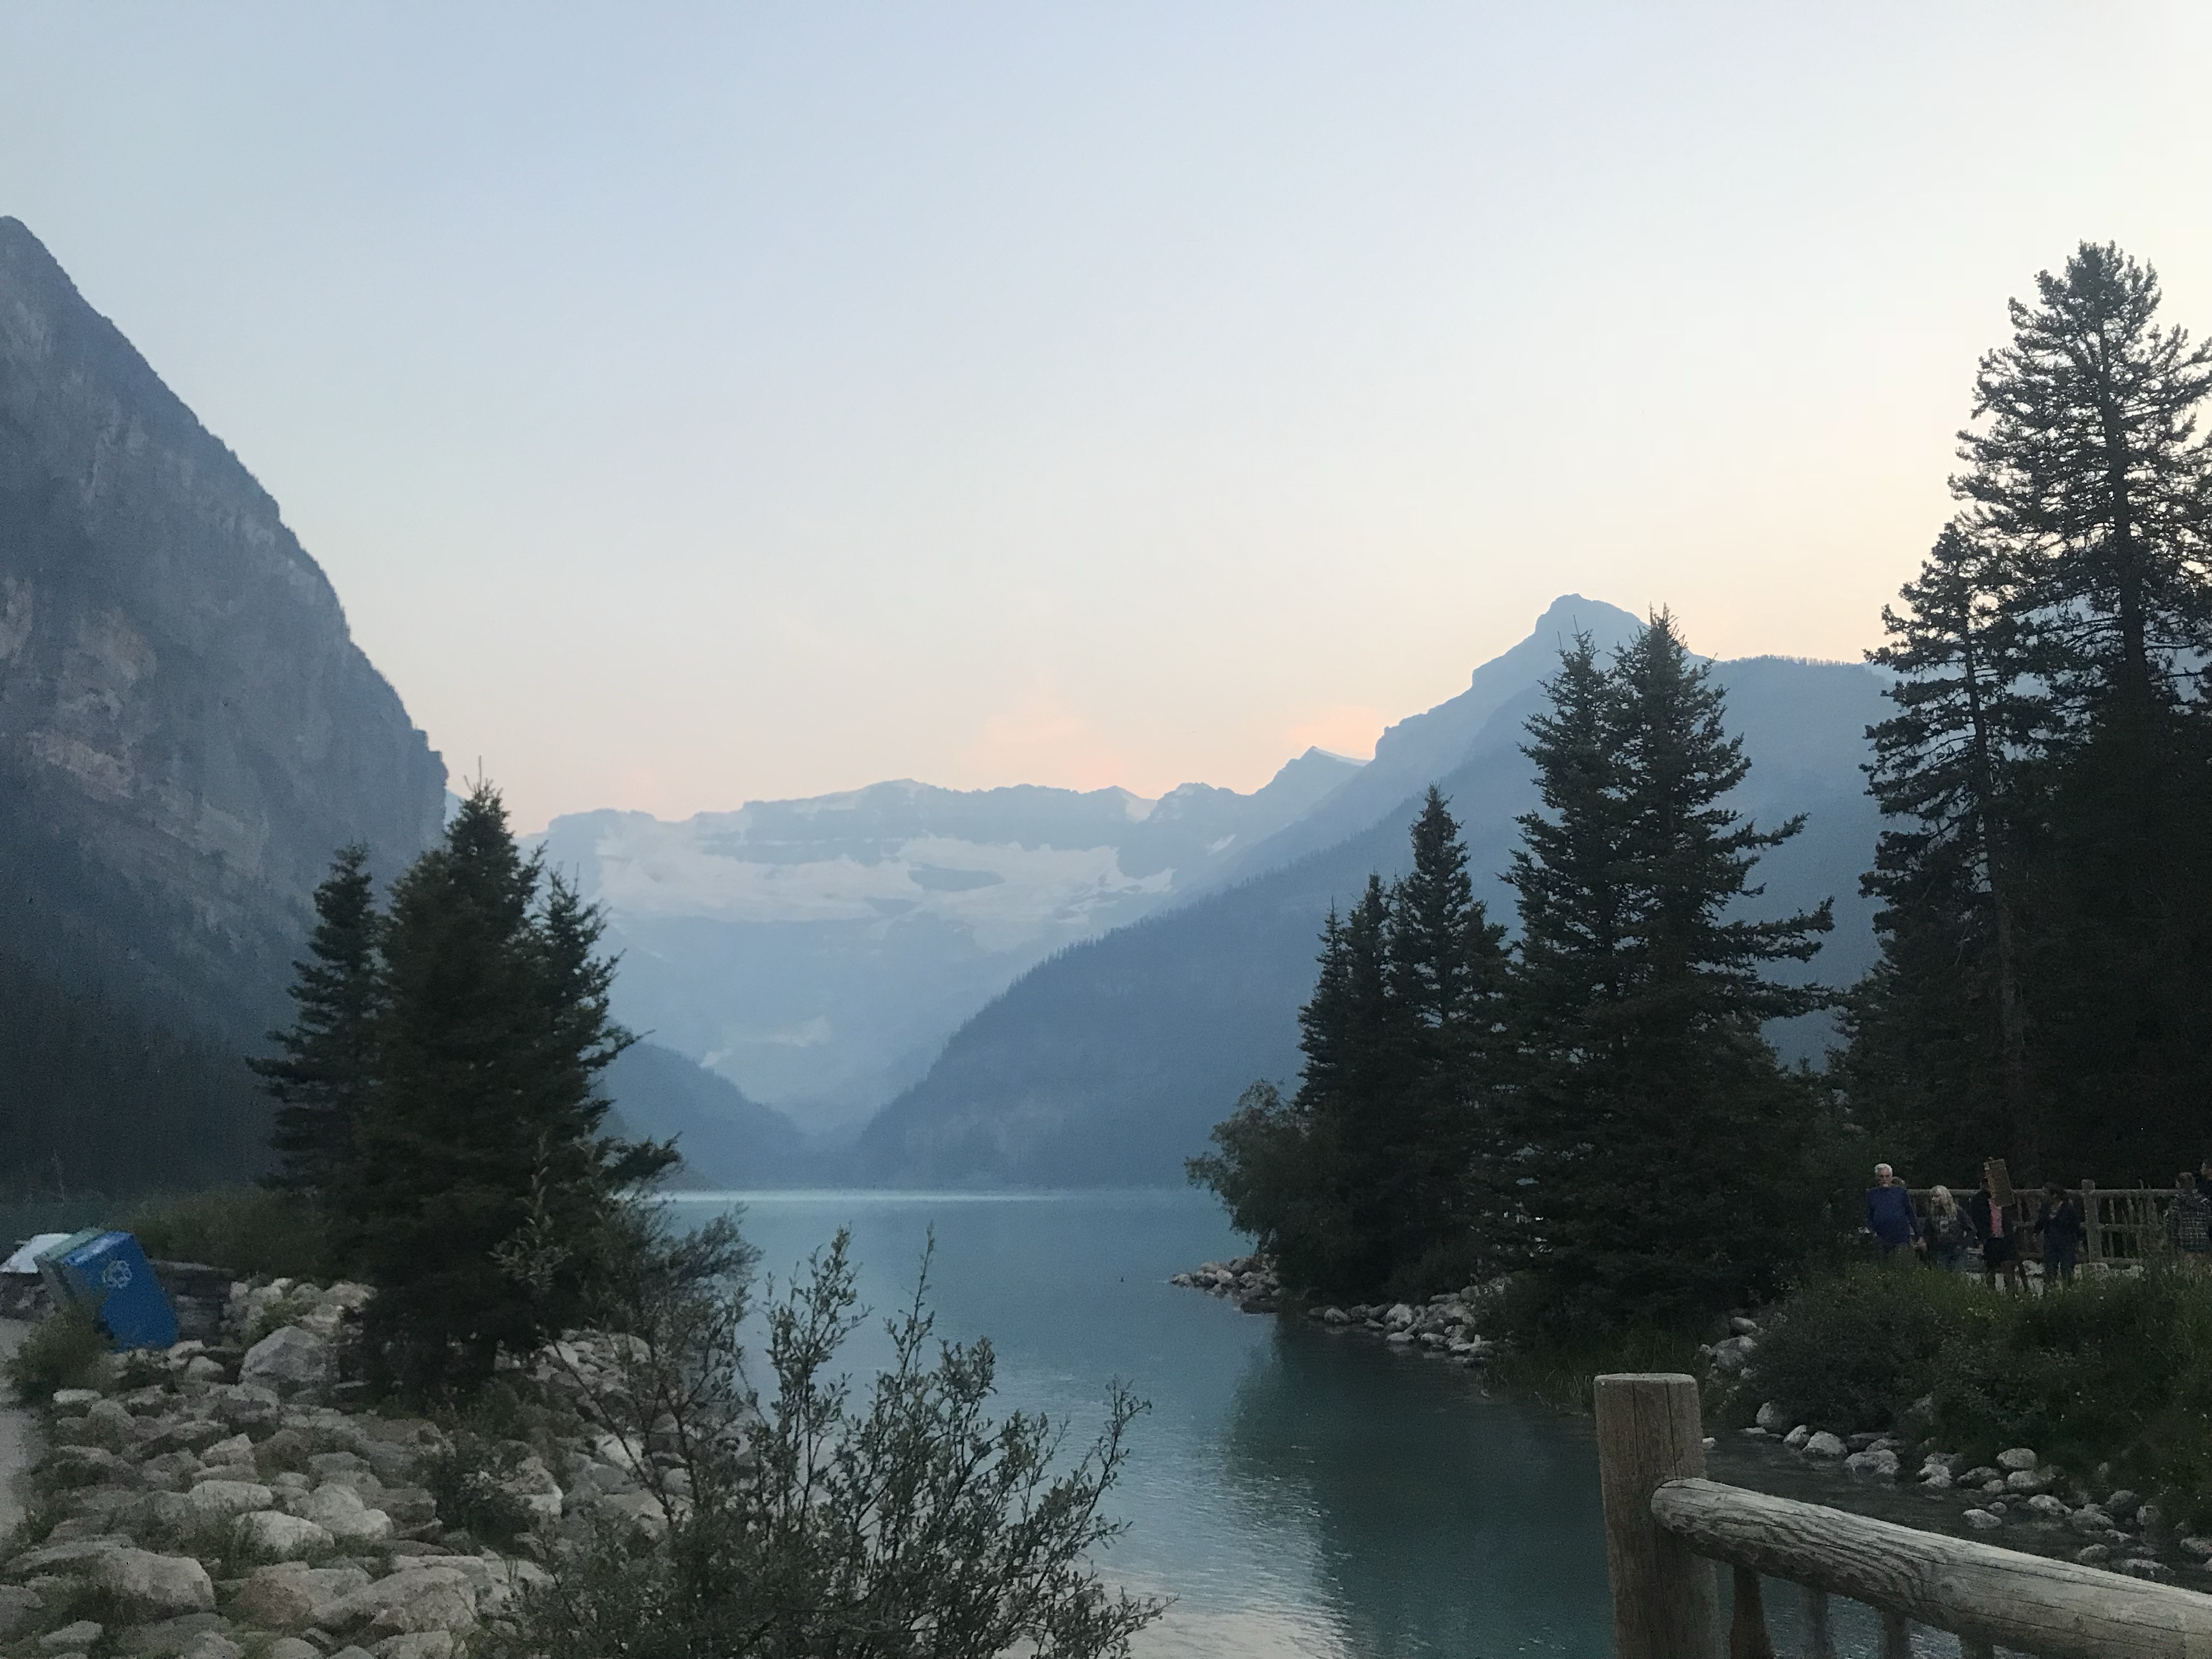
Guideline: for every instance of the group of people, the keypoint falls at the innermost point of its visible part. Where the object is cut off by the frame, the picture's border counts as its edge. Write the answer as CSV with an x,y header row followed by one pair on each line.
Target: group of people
x,y
1985,1223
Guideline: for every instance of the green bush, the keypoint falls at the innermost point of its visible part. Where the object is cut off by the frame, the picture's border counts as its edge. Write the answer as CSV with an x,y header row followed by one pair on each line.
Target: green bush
x,y
68,1350
1852,1353
255,1231
2116,1370
2111,1370
468,1478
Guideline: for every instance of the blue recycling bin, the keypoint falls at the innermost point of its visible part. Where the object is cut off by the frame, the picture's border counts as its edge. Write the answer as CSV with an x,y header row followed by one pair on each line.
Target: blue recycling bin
x,y
107,1275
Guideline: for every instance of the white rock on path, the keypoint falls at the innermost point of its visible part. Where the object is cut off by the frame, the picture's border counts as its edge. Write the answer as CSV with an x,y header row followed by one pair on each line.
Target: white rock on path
x,y
2018,1457
1771,1418
1981,1520
1825,1444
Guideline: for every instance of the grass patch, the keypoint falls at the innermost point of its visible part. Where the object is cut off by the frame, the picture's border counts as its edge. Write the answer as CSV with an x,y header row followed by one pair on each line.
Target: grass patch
x,y
1563,1370
257,1232
67,1351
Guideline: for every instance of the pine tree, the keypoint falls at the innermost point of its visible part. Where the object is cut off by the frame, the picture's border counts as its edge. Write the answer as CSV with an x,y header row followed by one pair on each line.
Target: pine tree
x,y
2048,872
1357,1184
1940,1044
1447,967
326,1061
1649,1162
482,1150
2090,473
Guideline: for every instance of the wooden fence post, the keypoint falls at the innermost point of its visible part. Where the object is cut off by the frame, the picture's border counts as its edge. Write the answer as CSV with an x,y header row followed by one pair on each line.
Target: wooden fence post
x,y
2092,1234
1666,1600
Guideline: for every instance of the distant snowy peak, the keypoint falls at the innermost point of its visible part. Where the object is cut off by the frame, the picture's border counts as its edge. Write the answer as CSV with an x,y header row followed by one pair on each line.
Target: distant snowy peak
x,y
1004,864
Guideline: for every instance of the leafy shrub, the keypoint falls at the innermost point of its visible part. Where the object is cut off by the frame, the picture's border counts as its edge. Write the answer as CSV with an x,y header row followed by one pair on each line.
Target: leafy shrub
x,y
2114,1370
255,1231
67,1351
468,1477
2118,1370
1852,1353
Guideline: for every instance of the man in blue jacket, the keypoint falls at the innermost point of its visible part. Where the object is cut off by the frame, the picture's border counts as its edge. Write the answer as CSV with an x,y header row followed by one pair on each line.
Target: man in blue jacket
x,y
1889,1213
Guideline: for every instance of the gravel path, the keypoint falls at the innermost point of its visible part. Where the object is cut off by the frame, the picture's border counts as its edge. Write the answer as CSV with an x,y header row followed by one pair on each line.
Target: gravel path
x,y
15,1435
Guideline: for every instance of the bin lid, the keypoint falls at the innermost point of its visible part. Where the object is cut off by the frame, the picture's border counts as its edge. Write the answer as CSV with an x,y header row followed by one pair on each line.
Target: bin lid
x,y
25,1258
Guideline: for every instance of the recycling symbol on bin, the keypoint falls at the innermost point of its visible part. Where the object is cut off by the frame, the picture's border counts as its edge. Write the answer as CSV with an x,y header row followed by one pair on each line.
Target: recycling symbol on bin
x,y
115,1276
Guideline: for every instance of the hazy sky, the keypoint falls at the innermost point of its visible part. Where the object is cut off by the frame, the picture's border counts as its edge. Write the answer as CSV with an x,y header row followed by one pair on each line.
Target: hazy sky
x,y
694,404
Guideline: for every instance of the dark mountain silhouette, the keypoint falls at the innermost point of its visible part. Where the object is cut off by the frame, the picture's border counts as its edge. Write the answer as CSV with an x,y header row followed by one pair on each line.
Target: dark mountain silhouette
x,y
1110,1064
187,733
726,1140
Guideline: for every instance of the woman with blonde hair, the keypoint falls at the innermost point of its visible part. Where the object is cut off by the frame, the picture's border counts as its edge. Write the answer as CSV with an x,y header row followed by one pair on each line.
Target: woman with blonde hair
x,y
1946,1231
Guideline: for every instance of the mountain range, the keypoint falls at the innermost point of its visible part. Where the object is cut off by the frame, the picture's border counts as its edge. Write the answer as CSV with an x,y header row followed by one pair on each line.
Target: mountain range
x,y
817,953
1109,1064
898,984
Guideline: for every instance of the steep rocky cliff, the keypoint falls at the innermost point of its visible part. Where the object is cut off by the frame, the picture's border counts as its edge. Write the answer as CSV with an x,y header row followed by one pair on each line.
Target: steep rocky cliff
x,y
187,731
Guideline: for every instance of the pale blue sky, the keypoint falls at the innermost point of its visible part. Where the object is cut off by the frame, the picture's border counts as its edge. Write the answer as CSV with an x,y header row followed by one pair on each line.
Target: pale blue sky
x,y
694,404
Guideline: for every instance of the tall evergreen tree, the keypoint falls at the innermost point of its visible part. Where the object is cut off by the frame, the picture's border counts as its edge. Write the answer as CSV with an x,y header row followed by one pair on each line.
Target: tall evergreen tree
x,y
2048,878
1357,1184
1447,965
2090,471
482,1148
326,1059
1940,1046
1652,1163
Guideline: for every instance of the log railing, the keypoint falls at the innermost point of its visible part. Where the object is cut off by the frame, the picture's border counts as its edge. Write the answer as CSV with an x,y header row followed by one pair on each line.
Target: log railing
x,y
2119,1223
1667,1526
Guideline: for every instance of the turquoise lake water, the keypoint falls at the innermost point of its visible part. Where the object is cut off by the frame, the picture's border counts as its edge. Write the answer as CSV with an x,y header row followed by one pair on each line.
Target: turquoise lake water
x,y
1296,1493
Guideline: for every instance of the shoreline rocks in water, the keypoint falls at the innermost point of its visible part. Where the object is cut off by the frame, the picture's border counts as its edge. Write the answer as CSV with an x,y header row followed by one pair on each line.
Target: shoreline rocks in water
x,y
2050,1510
1444,1326
233,1498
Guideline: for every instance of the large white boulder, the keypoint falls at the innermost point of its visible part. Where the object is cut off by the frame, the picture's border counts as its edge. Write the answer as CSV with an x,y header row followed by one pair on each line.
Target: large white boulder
x,y
272,1532
412,1599
291,1360
340,1512
165,1584
216,1498
291,1596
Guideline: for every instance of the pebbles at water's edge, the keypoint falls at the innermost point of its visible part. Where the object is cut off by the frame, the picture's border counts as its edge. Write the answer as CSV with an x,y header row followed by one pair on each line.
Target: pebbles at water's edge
x,y
1444,1326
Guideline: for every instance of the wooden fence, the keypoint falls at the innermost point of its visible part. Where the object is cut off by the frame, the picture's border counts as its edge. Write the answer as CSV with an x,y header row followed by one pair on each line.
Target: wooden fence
x,y
1666,1526
2119,1223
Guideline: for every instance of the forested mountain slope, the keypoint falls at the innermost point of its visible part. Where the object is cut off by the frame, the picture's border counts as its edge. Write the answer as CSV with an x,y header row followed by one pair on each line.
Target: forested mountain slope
x,y
1109,1064
187,733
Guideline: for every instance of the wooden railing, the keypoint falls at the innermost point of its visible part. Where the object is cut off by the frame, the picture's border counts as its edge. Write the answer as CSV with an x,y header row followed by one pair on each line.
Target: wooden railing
x,y
1666,1526
2118,1224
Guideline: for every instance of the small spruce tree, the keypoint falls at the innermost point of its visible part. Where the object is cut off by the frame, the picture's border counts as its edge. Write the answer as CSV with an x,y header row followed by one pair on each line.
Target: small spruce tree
x,y
325,1062
481,1150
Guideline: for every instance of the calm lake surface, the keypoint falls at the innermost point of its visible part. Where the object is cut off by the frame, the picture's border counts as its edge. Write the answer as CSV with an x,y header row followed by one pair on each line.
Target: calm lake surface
x,y
1296,1493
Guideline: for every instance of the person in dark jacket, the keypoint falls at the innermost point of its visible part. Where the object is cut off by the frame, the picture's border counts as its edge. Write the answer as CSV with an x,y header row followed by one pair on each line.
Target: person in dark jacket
x,y
1889,1213
1998,1237
2059,1221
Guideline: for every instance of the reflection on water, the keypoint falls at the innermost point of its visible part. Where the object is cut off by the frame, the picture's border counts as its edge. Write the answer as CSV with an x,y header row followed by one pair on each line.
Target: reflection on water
x,y
1298,1494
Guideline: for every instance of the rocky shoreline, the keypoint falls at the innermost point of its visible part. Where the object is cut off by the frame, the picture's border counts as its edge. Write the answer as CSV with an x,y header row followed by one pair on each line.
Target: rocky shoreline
x,y
2045,1509
1443,1327
232,1499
